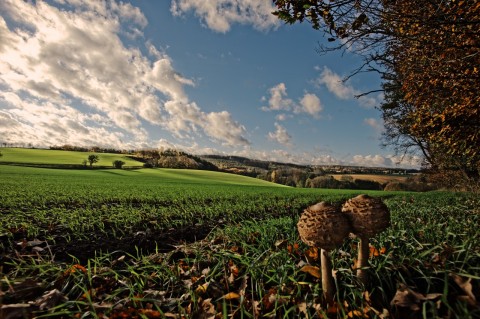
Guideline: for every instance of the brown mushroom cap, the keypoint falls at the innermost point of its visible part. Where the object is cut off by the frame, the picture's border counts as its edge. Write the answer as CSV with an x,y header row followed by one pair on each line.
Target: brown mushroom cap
x,y
367,215
324,226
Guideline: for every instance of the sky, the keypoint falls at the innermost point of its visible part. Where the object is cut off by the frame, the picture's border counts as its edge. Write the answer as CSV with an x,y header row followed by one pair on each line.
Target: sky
x,y
205,77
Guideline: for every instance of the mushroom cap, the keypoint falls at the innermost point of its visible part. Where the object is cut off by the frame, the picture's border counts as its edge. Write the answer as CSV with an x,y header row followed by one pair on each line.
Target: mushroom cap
x,y
368,216
323,225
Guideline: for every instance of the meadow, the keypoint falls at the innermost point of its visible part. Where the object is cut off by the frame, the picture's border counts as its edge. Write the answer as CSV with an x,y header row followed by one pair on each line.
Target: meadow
x,y
165,243
58,158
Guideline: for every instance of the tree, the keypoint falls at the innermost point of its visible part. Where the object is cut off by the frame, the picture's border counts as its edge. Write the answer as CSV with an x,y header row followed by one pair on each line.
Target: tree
x,y
93,158
428,53
438,61
118,164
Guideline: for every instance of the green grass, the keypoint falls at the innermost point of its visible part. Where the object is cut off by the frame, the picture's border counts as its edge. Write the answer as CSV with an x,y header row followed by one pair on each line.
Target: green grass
x,y
55,157
246,261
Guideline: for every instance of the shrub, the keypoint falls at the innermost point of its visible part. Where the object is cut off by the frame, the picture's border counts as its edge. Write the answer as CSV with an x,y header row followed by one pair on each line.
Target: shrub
x,y
118,163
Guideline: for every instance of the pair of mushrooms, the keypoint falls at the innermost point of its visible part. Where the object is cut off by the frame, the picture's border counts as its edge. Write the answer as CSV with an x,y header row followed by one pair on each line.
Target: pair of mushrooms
x,y
325,226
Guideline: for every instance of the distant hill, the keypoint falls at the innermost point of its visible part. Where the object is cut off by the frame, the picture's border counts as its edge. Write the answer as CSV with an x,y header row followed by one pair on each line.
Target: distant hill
x,y
61,158
248,166
295,175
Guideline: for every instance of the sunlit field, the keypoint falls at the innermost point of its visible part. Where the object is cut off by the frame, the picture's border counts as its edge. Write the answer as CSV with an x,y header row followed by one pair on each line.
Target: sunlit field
x,y
54,157
165,243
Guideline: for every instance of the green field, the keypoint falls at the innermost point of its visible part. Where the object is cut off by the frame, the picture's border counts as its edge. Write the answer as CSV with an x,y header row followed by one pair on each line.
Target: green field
x,y
165,243
54,157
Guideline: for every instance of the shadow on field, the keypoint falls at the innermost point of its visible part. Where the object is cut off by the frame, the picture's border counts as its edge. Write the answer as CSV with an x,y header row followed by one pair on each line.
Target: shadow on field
x,y
146,242
80,250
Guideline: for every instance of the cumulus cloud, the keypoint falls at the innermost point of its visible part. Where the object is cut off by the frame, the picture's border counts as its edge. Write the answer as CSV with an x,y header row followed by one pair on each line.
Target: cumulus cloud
x,y
386,161
310,104
219,15
342,90
68,64
280,135
375,124
279,101
372,160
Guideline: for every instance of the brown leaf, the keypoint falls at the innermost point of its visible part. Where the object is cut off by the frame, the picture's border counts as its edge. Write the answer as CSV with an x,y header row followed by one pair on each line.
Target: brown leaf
x,y
268,300
206,310
466,285
407,298
50,299
312,270
302,308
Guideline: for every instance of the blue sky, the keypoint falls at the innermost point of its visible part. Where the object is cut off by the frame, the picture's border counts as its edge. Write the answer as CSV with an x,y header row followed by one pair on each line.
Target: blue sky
x,y
207,77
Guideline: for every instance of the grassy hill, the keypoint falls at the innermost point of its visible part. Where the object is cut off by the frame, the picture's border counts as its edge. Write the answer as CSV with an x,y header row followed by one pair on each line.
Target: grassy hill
x,y
61,158
141,177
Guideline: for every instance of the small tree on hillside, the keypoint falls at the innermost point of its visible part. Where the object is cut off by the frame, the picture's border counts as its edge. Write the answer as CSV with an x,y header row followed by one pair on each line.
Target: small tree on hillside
x,y
92,158
118,164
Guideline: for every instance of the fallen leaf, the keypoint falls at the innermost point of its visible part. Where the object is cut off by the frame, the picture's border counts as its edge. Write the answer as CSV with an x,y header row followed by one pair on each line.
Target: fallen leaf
x,y
231,295
50,299
206,310
312,254
407,298
302,308
312,270
268,300
466,285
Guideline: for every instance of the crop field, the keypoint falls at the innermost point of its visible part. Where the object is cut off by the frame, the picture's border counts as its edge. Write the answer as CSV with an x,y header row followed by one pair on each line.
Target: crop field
x,y
165,243
382,179
54,157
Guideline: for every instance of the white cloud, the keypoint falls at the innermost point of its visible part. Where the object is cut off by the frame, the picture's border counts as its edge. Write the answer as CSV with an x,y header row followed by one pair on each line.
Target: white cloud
x,y
335,85
374,123
280,135
310,104
279,101
220,125
372,161
281,117
344,91
219,15
386,161
70,65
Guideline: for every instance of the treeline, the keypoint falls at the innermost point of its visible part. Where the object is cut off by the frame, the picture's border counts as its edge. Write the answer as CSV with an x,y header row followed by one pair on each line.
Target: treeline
x,y
94,149
317,178
169,158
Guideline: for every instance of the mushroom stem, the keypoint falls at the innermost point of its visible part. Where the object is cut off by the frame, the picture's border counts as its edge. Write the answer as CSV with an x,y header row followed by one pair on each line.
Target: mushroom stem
x,y
363,253
328,285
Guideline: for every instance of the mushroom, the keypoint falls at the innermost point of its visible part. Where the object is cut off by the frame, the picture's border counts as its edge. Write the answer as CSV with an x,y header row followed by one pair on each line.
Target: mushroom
x,y
368,216
325,227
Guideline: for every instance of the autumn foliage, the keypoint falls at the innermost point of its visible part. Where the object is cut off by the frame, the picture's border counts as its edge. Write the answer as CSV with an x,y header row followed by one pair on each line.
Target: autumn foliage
x,y
428,54
437,57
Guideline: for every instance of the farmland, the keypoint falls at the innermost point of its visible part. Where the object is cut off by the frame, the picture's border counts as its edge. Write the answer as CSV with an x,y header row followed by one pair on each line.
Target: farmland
x,y
155,243
26,156
382,179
